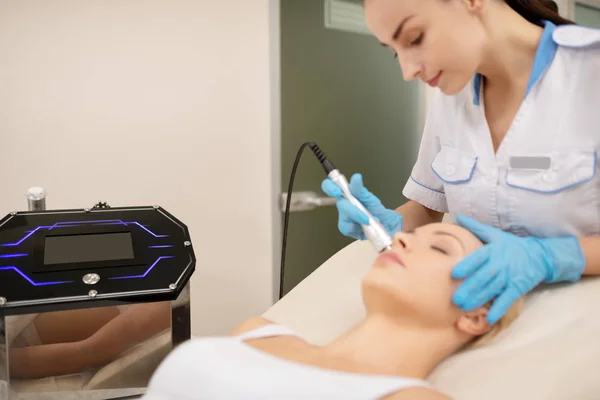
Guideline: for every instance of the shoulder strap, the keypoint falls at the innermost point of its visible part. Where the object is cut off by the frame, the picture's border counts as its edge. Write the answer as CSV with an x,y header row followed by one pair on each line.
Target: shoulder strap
x,y
266,331
387,386
576,36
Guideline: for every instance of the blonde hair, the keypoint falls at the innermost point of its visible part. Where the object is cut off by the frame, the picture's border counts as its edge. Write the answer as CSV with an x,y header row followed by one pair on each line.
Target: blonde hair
x,y
513,312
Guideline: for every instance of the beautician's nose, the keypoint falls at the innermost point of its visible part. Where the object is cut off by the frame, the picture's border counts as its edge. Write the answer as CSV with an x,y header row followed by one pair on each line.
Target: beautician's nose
x,y
410,69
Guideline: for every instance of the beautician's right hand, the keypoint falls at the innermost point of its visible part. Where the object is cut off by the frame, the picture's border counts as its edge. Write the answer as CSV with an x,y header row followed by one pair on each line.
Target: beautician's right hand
x,y
350,218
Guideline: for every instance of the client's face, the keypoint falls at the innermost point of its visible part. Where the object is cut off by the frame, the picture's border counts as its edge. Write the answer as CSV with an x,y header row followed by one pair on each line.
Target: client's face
x,y
414,278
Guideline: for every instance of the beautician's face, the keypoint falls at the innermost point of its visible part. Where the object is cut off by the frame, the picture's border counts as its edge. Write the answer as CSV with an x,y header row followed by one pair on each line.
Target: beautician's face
x,y
440,40
414,278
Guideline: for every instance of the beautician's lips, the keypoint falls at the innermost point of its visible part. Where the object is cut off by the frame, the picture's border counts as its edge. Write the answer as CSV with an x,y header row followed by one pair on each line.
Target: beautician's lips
x,y
434,81
392,256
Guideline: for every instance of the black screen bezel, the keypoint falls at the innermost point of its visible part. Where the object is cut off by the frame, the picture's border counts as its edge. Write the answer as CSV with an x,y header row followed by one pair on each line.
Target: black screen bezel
x,y
40,241
123,240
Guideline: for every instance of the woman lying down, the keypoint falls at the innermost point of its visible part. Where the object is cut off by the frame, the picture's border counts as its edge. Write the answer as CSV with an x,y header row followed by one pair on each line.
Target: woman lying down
x,y
410,327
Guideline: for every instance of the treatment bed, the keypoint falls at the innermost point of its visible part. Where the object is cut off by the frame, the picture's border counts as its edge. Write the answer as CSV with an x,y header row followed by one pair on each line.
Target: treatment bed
x,y
551,352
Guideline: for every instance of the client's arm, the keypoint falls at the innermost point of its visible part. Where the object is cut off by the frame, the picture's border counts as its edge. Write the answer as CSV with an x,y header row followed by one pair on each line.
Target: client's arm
x,y
249,325
133,326
418,394
129,328
47,360
72,325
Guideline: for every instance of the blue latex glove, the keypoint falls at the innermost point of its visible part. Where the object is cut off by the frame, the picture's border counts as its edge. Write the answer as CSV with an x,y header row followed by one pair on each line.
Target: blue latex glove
x,y
350,218
509,266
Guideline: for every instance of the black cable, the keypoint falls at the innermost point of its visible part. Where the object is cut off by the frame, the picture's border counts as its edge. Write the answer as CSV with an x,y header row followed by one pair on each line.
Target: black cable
x,y
328,167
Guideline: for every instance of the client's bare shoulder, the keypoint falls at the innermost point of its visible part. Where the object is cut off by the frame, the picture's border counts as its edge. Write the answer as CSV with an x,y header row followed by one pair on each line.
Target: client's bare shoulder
x,y
249,325
418,394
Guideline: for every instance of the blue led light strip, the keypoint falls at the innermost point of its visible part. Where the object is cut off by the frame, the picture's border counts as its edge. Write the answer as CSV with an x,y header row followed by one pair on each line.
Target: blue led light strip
x,y
165,246
79,223
13,255
145,273
71,225
34,283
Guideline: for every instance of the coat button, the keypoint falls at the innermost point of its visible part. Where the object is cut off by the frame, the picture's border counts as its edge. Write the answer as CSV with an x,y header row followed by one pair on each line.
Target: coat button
x,y
549,177
450,170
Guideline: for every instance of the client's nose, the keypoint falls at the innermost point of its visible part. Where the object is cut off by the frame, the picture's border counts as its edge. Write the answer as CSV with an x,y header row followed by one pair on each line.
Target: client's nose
x,y
404,240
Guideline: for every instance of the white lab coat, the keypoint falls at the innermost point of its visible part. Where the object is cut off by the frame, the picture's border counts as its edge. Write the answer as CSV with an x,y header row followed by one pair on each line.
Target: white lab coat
x,y
543,180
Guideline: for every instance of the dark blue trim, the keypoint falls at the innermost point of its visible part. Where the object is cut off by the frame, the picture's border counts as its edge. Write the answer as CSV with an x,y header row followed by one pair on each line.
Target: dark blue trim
x,y
544,54
556,190
425,187
476,89
543,57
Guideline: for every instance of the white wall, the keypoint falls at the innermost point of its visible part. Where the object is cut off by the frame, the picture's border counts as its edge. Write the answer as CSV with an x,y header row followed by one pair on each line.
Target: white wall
x,y
141,102
563,7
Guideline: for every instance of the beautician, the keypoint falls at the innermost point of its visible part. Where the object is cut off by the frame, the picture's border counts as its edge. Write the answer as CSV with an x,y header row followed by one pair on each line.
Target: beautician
x,y
510,145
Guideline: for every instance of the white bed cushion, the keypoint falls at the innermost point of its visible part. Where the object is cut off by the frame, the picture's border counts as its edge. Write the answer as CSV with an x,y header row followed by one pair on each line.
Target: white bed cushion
x,y
551,352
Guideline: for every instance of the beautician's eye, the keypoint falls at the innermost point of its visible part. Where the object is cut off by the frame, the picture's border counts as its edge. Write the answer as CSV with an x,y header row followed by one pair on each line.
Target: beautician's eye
x,y
418,40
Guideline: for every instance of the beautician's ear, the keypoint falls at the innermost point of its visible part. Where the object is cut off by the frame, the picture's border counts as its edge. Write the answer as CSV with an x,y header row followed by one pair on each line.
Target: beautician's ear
x,y
474,322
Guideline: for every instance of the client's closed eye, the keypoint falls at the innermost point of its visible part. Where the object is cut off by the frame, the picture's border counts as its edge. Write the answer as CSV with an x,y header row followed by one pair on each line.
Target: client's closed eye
x,y
440,250
448,242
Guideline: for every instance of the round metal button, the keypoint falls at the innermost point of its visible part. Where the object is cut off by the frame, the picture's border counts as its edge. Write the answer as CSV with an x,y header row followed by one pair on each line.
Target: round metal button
x,y
450,169
91,279
549,177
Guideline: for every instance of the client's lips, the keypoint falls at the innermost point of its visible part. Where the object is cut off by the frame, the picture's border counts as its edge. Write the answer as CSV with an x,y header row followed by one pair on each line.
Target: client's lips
x,y
391,256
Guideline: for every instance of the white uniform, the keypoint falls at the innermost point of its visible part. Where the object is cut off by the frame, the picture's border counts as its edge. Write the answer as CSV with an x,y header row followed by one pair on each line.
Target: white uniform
x,y
543,180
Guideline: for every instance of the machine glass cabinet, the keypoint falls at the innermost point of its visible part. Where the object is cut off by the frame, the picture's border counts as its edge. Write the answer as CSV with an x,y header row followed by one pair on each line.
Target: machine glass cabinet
x,y
91,300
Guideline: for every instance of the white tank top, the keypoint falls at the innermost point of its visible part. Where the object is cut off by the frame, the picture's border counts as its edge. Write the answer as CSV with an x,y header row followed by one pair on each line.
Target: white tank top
x,y
227,368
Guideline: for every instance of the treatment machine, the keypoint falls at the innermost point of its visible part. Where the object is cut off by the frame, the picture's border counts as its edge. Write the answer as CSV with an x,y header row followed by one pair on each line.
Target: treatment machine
x,y
91,300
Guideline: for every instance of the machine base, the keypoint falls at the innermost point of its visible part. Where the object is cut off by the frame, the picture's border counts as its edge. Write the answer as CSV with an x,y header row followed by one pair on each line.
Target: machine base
x,y
124,376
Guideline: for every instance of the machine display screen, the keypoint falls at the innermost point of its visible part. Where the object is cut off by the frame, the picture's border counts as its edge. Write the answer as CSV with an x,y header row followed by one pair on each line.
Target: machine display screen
x,y
69,249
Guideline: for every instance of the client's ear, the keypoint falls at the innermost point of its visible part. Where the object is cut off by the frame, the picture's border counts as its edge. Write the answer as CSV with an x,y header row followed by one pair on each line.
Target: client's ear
x,y
474,322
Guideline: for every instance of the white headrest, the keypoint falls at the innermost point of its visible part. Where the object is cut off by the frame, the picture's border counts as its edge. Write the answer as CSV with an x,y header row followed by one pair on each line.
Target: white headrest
x,y
551,352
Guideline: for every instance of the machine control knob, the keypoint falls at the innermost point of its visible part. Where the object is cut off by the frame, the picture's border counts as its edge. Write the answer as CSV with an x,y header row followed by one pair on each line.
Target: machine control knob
x,y
91,279
36,199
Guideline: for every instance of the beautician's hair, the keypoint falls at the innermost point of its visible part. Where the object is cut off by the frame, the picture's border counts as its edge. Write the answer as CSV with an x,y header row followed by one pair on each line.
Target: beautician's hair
x,y
536,11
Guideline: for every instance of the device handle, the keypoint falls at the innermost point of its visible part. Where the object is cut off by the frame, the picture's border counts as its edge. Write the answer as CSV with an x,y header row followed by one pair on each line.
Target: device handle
x,y
374,231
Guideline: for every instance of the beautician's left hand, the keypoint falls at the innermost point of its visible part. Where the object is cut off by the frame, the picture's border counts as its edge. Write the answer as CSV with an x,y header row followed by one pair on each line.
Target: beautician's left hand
x,y
509,266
